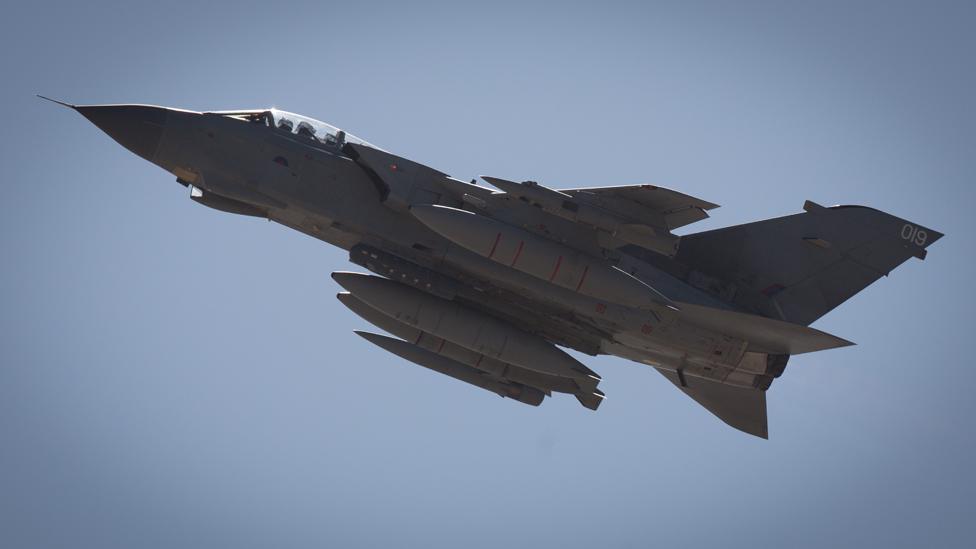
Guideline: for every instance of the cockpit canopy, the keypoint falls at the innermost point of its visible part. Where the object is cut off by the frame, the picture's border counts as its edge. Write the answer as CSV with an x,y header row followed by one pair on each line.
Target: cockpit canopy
x,y
308,128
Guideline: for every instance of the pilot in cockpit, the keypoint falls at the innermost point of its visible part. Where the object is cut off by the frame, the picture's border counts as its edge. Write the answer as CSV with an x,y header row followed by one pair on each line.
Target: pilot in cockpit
x,y
306,129
285,124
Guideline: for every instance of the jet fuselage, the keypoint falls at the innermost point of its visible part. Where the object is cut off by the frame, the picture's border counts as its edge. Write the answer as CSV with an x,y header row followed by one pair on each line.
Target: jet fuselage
x,y
502,276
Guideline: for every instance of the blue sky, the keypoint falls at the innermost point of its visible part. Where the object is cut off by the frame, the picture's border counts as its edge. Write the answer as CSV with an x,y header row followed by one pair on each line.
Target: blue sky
x,y
171,375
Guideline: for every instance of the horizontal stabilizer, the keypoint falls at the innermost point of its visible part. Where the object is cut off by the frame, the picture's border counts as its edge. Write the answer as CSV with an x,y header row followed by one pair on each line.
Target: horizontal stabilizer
x,y
591,400
766,335
742,408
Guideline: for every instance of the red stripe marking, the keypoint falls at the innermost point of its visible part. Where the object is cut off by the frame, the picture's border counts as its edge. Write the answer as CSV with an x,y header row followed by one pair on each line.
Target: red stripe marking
x,y
480,358
419,337
556,268
518,252
582,278
495,245
443,341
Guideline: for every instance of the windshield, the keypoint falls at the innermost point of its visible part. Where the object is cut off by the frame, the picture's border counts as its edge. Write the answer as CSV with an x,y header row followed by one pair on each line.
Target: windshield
x,y
313,129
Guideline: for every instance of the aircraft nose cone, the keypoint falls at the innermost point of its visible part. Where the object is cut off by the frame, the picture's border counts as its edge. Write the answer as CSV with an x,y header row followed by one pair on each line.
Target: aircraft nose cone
x,y
138,128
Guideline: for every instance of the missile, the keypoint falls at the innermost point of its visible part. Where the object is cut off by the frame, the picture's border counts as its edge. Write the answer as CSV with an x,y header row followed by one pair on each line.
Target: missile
x,y
448,367
539,257
475,360
466,327
568,207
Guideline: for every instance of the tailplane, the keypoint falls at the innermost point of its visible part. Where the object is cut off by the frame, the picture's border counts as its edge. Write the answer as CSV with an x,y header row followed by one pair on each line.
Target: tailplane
x,y
742,408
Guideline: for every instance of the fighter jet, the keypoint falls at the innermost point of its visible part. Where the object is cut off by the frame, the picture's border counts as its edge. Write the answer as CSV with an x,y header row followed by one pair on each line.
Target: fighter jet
x,y
486,286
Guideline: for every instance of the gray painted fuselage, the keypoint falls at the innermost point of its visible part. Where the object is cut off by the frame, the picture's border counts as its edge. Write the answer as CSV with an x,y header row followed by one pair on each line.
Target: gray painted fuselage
x,y
720,336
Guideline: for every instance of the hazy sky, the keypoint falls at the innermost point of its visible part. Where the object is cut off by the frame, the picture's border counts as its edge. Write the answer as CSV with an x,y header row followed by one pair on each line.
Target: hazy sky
x,y
172,376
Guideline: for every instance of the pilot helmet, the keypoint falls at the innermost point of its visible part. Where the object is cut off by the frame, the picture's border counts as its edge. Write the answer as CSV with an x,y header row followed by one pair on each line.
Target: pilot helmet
x,y
304,128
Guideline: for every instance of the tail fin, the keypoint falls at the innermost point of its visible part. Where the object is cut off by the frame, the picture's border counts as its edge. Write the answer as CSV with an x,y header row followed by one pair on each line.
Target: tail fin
x,y
799,267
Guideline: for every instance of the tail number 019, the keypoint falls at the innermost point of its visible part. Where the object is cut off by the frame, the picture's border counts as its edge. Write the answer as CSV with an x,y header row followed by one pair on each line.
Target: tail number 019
x,y
914,235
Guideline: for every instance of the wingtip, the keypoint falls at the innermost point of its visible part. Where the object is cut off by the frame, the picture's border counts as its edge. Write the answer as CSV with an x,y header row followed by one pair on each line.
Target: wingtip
x,y
842,342
368,336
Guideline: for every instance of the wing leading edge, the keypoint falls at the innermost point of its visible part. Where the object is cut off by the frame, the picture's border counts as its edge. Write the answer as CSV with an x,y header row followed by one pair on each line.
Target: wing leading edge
x,y
655,206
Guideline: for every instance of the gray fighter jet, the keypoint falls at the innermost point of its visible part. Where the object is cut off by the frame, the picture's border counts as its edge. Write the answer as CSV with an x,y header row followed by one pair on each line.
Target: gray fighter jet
x,y
485,286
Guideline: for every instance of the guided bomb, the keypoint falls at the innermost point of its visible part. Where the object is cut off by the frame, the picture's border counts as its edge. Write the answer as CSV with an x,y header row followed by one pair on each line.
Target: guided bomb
x,y
439,363
466,327
488,365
